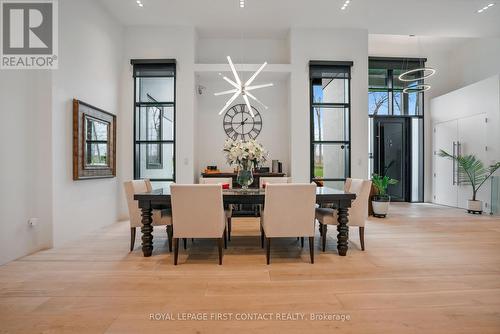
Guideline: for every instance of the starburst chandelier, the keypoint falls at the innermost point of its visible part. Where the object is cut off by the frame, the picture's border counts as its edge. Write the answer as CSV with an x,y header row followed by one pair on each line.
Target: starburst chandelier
x,y
242,89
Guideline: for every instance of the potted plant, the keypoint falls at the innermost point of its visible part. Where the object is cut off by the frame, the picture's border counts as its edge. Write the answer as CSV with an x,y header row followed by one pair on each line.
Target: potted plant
x,y
471,171
380,201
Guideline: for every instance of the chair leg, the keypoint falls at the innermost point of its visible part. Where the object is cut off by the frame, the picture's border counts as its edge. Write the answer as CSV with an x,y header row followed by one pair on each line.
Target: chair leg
x,y
268,252
362,237
220,250
323,235
176,250
229,229
132,238
311,249
302,242
185,242
225,239
261,236
170,232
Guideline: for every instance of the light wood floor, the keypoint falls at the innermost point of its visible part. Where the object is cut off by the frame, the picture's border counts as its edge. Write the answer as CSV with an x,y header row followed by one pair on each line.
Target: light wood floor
x,y
426,269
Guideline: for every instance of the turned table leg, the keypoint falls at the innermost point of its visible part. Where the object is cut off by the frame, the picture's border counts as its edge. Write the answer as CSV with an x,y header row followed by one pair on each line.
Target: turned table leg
x,y
343,231
147,230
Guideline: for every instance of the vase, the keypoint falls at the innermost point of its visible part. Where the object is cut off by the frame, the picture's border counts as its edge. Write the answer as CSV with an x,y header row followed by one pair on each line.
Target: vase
x,y
245,176
380,205
474,206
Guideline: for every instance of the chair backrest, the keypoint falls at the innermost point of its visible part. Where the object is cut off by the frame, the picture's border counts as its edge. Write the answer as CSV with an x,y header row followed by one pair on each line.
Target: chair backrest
x,y
358,213
289,210
217,180
272,180
197,211
131,188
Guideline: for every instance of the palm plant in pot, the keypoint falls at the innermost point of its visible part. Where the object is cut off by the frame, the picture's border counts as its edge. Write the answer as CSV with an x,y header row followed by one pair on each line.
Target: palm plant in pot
x,y
380,201
471,171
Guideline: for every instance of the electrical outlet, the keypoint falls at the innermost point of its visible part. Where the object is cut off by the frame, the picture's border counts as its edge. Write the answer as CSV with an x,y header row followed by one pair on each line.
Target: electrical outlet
x,y
32,222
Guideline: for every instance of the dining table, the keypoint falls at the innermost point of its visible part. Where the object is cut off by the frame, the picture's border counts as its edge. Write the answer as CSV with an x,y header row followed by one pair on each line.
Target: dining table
x,y
159,199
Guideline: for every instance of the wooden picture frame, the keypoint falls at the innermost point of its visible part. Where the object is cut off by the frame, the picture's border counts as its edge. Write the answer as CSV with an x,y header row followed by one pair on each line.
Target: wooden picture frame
x,y
94,142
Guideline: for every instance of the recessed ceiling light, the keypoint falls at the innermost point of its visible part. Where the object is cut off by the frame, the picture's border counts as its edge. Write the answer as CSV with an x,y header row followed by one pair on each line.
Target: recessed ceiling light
x,y
345,5
485,8
139,3
242,3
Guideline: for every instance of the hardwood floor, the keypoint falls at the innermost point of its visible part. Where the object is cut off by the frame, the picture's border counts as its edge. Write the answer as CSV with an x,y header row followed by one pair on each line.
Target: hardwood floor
x,y
426,269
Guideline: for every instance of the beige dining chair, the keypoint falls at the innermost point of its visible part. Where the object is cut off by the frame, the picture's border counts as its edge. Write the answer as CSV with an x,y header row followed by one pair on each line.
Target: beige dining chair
x,y
229,209
206,220
288,212
272,180
358,213
160,217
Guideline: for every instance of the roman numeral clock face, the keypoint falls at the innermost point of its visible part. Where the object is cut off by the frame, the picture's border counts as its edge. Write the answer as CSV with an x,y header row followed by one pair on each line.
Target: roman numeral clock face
x,y
239,123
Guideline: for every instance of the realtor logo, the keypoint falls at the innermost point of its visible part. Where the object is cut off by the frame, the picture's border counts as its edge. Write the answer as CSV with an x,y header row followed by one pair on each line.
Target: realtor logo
x,y
28,34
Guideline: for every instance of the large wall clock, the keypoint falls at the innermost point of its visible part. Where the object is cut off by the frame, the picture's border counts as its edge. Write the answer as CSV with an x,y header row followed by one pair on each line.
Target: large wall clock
x,y
239,124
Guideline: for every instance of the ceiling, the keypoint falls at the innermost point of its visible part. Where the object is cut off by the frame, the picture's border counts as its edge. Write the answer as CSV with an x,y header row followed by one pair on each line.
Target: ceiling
x,y
274,18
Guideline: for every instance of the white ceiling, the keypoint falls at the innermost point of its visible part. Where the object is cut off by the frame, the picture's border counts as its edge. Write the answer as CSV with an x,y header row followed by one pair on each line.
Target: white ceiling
x,y
273,18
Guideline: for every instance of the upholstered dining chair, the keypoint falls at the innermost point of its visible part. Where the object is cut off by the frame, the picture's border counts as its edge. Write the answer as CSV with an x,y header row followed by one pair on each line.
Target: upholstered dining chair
x,y
288,212
358,213
208,220
160,217
224,182
272,180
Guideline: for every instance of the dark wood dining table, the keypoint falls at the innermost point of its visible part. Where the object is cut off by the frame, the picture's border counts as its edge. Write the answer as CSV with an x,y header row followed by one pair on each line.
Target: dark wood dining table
x,y
160,199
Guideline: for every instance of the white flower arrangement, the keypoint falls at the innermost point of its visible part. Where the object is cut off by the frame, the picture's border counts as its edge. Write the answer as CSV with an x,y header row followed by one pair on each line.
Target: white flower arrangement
x,y
244,154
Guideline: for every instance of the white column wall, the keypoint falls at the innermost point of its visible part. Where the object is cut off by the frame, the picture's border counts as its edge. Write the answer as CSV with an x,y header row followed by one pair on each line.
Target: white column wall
x,y
159,43
89,58
335,45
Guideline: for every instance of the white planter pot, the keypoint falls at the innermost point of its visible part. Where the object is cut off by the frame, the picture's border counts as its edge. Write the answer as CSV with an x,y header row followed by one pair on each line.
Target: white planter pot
x,y
380,208
474,206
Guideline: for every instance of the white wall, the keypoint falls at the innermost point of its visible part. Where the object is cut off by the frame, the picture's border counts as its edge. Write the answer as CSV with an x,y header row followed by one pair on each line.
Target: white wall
x,y
25,170
328,44
158,43
242,50
274,136
474,60
90,54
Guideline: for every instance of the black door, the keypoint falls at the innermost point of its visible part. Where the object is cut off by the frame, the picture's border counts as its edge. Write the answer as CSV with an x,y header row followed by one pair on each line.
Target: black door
x,y
392,154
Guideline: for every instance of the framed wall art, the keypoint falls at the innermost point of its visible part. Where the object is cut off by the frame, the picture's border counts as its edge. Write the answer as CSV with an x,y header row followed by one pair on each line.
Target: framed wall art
x,y
94,142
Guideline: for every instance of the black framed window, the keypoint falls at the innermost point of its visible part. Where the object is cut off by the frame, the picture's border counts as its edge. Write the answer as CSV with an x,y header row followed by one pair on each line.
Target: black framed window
x,y
154,119
330,109
385,90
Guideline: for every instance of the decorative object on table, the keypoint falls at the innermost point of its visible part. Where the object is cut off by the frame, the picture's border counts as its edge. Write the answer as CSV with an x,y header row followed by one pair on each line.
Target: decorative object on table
x,y
211,169
280,167
471,171
262,170
274,166
381,200
242,89
240,124
244,155
94,142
